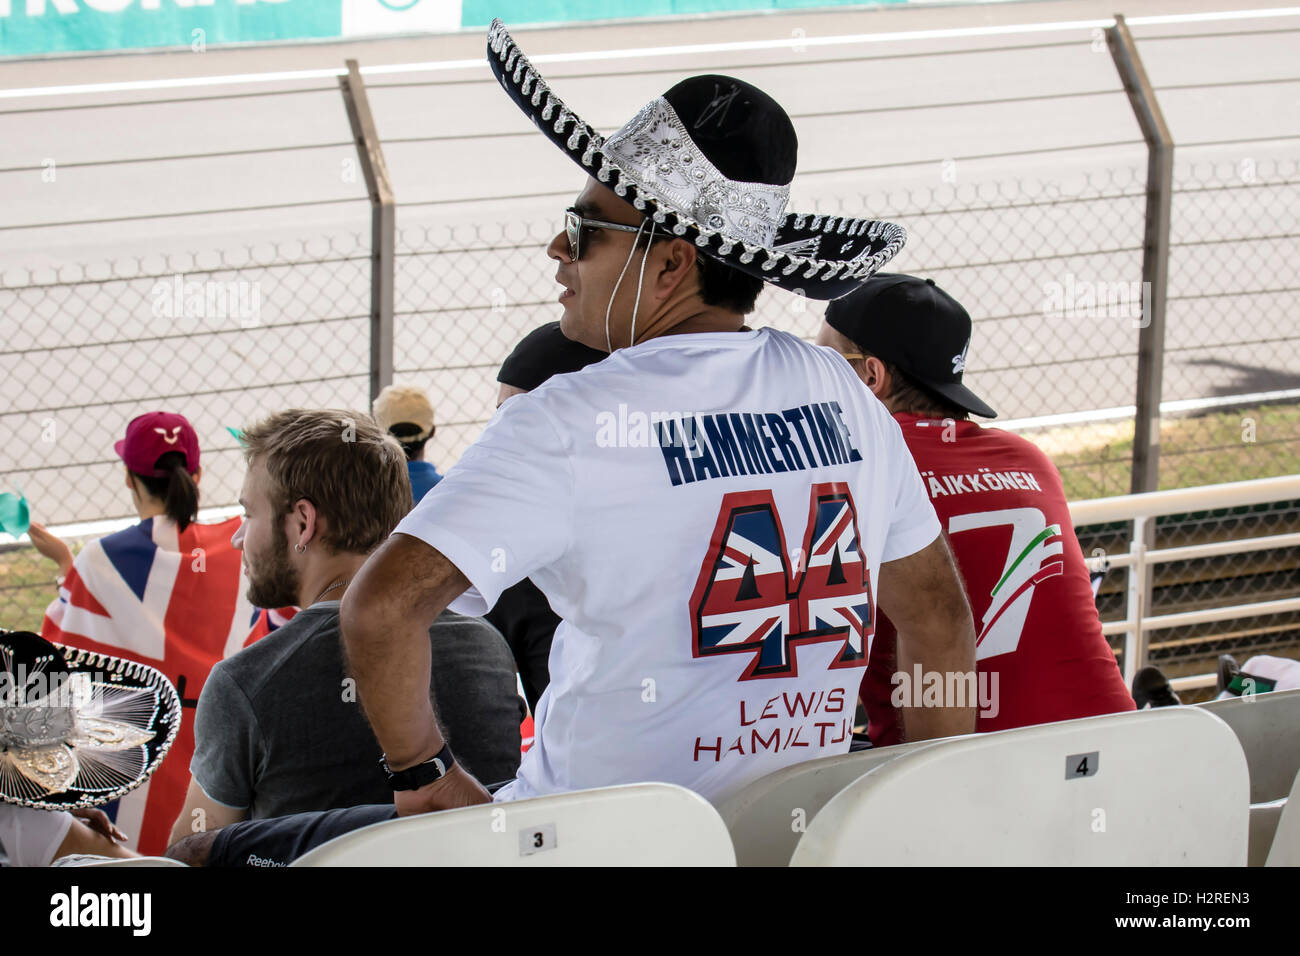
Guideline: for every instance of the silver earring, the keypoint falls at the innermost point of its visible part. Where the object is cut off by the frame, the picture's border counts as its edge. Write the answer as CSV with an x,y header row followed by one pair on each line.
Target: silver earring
x,y
300,548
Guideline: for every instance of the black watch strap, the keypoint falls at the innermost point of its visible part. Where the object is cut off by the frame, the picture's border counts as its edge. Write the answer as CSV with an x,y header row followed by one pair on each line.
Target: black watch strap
x,y
413,778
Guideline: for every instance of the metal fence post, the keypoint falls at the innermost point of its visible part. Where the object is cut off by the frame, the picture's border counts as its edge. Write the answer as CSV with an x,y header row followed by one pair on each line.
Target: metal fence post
x,y
383,227
1155,281
1139,576
1155,254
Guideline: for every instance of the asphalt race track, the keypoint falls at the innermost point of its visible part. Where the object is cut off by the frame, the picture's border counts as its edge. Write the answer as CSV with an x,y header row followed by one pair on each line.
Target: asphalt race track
x,y
1013,159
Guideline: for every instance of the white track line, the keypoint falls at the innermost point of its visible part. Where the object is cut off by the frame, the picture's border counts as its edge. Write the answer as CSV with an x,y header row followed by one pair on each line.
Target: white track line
x,y
660,51
1121,412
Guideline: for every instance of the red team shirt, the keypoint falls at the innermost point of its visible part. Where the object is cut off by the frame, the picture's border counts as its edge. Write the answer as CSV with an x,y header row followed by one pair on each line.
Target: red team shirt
x,y
1041,656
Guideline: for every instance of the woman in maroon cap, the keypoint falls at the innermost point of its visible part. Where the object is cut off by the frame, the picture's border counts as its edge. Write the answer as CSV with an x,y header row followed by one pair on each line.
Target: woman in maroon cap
x,y
168,592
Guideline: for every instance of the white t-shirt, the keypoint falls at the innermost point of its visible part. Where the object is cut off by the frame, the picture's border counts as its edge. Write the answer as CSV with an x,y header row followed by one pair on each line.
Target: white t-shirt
x,y
707,513
31,837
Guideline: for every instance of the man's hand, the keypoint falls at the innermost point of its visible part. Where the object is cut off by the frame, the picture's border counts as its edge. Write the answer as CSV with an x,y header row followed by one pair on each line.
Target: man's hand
x,y
923,595
454,789
52,547
99,822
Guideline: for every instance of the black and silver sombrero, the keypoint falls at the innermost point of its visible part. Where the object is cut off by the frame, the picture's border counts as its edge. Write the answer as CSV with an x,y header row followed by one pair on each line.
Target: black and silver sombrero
x,y
711,160
78,729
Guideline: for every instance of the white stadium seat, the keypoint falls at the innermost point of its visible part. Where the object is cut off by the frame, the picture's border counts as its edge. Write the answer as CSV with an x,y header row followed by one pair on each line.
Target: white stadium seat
x,y
1268,728
644,824
1264,820
767,818
1154,788
126,861
1285,848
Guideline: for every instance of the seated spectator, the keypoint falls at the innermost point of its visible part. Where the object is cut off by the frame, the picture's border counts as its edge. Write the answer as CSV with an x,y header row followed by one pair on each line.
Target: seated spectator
x,y
1040,652
278,728
63,752
40,837
523,615
1261,674
671,633
406,413
166,592
277,841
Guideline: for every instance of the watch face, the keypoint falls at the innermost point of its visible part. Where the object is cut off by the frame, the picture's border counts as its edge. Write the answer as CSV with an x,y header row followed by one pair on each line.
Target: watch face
x,y
442,769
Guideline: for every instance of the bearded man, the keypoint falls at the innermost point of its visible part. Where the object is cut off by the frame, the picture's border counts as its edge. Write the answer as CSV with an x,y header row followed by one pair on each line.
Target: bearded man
x,y
278,729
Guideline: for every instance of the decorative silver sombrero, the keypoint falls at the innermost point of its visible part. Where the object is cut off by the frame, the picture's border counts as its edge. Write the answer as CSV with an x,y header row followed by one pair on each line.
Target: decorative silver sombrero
x,y
78,729
656,164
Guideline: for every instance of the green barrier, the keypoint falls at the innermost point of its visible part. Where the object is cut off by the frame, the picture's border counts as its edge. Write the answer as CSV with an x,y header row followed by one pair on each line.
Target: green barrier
x,y
54,26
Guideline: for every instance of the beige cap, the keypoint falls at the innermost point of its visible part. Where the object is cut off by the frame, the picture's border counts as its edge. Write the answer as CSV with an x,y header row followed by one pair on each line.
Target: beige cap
x,y
404,404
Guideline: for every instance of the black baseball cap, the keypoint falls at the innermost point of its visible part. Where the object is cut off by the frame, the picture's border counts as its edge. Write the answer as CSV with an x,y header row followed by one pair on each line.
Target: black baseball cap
x,y
911,323
544,352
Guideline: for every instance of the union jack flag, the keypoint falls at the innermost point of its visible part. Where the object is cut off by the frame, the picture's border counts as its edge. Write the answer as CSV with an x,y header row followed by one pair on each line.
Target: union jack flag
x,y
749,597
171,599
836,589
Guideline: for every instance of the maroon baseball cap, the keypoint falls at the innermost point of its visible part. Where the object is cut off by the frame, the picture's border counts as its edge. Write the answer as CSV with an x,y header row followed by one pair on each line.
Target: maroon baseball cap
x,y
154,434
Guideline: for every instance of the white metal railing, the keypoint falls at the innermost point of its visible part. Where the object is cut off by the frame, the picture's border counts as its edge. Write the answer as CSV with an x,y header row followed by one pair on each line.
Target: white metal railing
x,y
1145,508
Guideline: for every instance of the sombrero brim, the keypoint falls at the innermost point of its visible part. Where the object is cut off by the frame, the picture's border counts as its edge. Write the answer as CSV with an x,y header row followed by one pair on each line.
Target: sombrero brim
x,y
129,724
820,257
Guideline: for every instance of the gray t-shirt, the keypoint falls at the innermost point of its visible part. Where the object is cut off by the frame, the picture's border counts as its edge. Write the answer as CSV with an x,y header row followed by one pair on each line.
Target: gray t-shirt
x,y
279,729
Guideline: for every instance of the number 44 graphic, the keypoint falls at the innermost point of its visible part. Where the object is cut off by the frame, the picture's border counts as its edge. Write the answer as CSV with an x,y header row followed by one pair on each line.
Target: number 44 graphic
x,y
1034,555
749,600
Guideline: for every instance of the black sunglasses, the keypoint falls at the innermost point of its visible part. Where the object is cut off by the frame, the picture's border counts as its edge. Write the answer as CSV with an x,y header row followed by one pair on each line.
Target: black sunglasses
x,y
574,223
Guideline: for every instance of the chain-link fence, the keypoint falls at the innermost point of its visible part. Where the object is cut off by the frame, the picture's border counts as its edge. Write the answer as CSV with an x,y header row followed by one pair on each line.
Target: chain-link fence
x,y
1048,263
228,337
467,294
1054,344
1232,367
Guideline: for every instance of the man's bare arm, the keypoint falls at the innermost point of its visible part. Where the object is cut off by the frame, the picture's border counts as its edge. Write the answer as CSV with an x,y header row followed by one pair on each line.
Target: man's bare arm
x,y
385,618
201,813
194,849
84,837
925,599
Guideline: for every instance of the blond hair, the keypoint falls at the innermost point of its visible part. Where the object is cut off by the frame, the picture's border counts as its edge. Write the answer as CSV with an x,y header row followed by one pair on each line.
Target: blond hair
x,y
343,463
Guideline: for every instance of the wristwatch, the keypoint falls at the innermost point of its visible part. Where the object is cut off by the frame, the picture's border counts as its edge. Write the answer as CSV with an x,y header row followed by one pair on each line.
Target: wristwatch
x,y
413,778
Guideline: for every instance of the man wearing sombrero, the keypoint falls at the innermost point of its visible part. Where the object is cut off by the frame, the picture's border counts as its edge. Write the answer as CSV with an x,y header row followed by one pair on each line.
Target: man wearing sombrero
x,y
77,730
713,511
